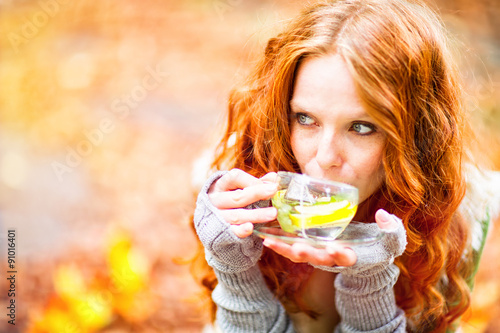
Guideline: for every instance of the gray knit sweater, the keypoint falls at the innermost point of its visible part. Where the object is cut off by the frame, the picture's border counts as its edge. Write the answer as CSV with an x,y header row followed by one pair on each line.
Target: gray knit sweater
x,y
364,292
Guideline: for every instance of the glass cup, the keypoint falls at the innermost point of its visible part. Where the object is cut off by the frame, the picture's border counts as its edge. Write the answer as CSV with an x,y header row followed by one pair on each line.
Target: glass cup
x,y
314,208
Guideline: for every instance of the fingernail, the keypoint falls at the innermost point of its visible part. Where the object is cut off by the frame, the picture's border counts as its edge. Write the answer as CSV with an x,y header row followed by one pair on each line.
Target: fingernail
x,y
384,216
387,221
242,230
247,227
235,229
271,177
267,242
270,187
272,213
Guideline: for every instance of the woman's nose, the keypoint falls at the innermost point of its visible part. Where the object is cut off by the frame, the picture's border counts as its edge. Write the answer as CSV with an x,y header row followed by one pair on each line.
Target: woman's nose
x,y
330,150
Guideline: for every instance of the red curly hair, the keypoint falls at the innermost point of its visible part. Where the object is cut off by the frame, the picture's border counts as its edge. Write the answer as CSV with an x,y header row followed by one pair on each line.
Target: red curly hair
x,y
399,56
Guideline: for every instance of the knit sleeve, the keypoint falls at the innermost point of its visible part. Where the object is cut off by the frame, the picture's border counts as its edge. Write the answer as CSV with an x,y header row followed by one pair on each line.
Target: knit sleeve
x,y
244,303
364,294
367,303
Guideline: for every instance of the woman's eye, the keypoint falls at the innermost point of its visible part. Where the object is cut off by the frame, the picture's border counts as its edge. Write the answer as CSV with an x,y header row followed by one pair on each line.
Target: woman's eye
x,y
304,119
363,128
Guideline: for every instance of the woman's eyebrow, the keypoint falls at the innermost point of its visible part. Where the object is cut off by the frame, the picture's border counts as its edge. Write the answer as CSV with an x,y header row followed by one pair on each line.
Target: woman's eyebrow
x,y
297,107
352,113
293,105
361,114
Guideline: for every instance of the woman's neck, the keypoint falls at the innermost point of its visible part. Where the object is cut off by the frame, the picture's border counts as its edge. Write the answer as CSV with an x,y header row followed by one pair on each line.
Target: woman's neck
x,y
366,209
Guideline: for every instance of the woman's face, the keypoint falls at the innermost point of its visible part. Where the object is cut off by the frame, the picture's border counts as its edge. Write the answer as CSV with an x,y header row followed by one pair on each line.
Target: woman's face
x,y
332,136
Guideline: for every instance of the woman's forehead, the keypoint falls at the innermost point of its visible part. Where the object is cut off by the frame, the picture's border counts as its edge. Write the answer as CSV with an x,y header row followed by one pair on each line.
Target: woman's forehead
x,y
323,83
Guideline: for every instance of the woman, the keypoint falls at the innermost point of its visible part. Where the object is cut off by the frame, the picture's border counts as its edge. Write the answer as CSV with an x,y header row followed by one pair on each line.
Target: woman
x,y
362,92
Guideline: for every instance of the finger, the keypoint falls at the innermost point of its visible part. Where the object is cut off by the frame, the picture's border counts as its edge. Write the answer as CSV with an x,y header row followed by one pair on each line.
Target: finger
x,y
240,216
278,247
330,256
396,233
243,230
271,177
234,179
342,256
243,197
386,221
304,253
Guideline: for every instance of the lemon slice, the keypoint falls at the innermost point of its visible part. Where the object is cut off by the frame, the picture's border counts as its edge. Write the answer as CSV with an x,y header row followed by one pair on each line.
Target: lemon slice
x,y
323,215
322,209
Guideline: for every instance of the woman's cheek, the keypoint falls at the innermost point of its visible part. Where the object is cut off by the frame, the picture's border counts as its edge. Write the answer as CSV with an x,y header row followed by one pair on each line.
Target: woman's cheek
x,y
303,149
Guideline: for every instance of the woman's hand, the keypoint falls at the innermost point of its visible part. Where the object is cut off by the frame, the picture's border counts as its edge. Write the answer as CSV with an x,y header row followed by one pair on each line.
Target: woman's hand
x,y
236,190
333,255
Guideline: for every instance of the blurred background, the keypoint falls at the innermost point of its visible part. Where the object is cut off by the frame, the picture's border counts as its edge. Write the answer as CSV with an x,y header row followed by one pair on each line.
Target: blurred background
x,y
104,108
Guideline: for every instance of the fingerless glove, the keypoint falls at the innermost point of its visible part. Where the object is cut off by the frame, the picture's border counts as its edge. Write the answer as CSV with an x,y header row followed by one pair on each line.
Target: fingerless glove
x,y
364,292
244,303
